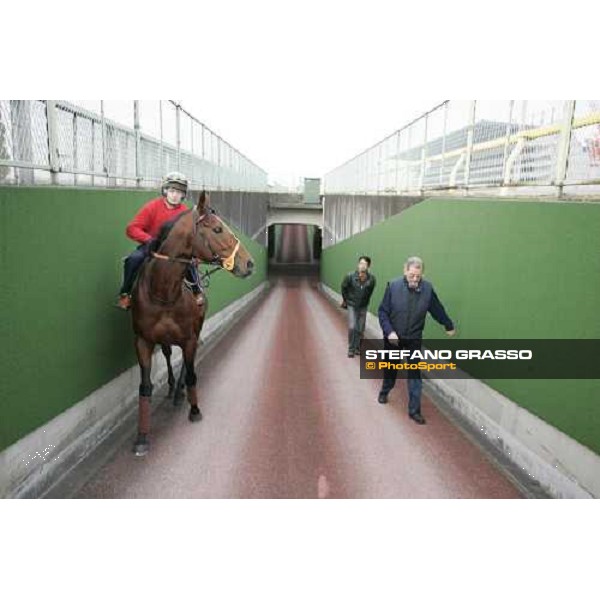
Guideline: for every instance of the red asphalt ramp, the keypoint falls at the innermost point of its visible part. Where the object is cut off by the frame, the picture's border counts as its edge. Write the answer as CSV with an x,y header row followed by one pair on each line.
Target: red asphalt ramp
x,y
286,415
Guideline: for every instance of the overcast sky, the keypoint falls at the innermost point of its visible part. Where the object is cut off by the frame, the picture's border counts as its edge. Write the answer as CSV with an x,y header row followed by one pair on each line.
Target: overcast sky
x,y
308,85
296,130
300,87
305,128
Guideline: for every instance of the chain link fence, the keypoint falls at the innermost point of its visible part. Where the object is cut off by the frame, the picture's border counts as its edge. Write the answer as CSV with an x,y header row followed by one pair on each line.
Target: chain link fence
x,y
481,143
104,143
507,147
116,144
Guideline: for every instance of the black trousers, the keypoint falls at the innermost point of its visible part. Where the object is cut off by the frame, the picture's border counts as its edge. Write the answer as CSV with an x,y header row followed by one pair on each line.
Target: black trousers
x,y
134,261
413,376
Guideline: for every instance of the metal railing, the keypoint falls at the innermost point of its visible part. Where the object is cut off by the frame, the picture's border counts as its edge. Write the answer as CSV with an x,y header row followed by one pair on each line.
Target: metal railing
x,y
116,144
478,144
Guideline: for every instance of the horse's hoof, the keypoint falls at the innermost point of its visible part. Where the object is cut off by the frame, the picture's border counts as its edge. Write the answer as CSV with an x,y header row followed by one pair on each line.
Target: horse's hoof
x,y
195,414
141,449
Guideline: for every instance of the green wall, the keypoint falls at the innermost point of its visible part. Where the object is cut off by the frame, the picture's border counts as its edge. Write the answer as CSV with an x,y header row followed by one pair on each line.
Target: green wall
x,y
61,268
503,269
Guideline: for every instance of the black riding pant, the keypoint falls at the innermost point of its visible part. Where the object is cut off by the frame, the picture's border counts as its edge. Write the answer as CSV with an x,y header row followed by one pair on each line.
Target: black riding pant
x,y
134,261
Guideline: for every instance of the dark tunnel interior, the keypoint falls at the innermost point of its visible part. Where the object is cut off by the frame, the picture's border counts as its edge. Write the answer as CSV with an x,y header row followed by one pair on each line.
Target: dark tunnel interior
x,y
294,249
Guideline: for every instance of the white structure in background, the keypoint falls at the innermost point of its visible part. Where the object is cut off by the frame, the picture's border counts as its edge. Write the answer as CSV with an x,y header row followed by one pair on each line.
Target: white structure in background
x,y
116,144
482,143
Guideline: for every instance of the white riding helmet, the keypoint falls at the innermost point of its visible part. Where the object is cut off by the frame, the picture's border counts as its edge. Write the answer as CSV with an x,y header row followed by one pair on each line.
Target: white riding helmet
x,y
175,180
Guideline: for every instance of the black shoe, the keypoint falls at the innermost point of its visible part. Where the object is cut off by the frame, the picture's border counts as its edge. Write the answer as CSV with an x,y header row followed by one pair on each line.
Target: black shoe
x,y
350,353
418,418
357,352
383,398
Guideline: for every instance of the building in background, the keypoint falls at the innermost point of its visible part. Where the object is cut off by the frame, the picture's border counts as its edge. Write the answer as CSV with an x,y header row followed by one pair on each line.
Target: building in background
x,y
312,190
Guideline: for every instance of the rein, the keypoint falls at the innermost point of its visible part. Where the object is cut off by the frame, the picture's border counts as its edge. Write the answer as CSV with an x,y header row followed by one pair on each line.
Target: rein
x,y
226,263
186,261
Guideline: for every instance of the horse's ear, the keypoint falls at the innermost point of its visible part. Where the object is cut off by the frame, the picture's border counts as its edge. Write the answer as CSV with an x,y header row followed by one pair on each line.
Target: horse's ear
x,y
203,201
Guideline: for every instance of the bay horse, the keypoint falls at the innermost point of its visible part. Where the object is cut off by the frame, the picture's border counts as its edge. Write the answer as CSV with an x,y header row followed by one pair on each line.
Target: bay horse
x,y
165,312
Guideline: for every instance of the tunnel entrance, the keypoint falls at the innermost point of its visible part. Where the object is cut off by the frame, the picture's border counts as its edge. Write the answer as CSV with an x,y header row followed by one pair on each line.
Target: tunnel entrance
x,y
294,249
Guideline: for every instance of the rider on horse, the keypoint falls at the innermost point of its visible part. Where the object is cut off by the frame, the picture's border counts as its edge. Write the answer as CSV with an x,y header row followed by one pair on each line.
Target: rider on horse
x,y
144,228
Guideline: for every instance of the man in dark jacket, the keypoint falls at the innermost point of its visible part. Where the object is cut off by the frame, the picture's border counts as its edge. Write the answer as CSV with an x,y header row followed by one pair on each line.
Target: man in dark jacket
x,y
402,314
357,289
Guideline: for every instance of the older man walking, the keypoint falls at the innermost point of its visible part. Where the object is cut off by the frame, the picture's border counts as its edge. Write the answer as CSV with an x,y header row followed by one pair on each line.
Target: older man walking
x,y
402,313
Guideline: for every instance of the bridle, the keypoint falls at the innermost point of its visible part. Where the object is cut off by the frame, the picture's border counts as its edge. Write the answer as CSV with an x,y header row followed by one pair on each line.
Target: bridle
x,y
218,261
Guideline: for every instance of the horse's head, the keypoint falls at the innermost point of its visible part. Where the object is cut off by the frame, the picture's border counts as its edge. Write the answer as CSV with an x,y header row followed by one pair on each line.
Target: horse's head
x,y
214,241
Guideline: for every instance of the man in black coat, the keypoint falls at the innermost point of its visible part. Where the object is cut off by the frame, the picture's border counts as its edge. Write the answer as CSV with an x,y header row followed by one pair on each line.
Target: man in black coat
x,y
402,313
357,289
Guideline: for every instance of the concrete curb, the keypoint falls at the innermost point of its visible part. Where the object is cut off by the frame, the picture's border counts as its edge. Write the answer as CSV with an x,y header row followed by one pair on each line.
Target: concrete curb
x,y
552,460
40,460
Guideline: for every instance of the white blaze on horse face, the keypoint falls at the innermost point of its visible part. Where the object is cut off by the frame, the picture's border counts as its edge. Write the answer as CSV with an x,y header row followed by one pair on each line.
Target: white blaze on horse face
x,y
229,248
224,238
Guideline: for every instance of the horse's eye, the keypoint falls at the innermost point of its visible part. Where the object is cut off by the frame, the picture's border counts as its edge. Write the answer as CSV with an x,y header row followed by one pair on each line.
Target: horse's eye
x,y
218,230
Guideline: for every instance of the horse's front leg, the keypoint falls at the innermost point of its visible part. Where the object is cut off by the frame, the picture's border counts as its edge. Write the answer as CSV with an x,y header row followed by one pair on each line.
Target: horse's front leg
x,y
189,355
144,351
167,351
178,396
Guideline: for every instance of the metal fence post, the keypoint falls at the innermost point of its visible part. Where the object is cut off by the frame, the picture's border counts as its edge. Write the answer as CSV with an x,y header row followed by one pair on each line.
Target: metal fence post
x,y
470,135
22,139
397,186
446,104
512,158
423,157
409,168
378,168
53,157
564,145
178,134
93,169
75,149
162,153
203,159
227,161
104,149
363,177
218,163
193,156
507,140
241,211
138,143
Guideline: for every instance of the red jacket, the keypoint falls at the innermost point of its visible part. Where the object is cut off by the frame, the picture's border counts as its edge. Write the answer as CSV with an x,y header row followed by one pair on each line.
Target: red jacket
x,y
148,221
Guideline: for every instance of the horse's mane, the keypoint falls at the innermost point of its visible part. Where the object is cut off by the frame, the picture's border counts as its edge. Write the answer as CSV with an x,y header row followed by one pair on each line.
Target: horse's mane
x,y
165,230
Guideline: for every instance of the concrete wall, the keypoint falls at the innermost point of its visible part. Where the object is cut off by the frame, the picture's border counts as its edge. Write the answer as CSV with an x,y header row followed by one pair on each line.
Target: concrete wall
x,y
346,215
